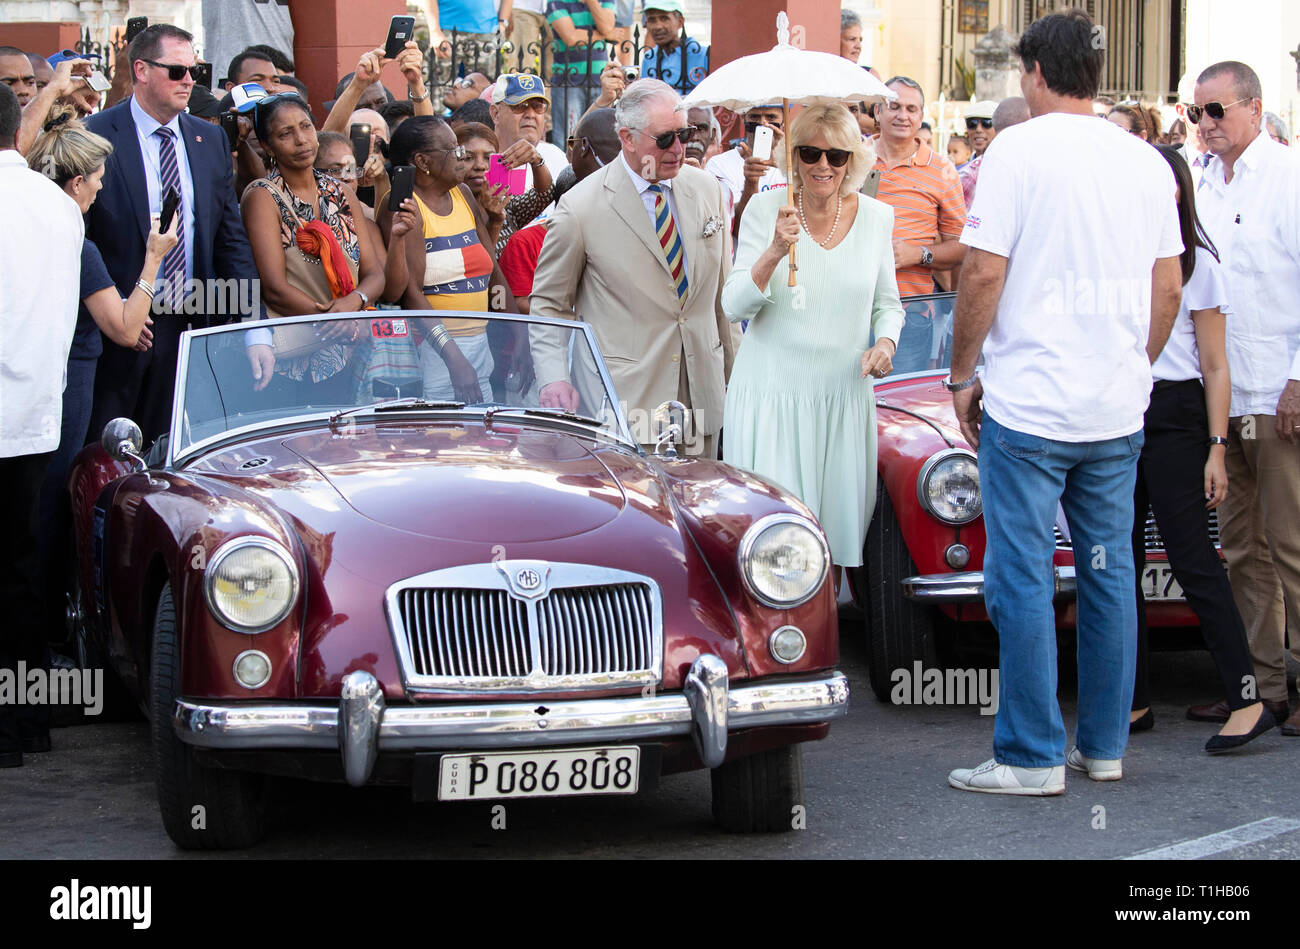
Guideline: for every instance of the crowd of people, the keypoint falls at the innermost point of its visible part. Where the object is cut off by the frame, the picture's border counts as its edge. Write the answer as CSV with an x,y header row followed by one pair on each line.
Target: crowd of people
x,y
667,237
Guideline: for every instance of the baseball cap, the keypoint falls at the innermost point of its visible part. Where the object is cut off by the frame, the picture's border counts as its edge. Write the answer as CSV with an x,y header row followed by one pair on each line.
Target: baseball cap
x,y
245,95
514,88
981,110
667,6
63,54
203,103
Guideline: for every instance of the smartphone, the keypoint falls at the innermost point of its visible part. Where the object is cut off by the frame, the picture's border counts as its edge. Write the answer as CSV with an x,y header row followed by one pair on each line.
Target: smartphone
x,y
205,75
230,125
400,29
169,205
870,186
97,81
135,26
762,145
360,135
403,181
514,180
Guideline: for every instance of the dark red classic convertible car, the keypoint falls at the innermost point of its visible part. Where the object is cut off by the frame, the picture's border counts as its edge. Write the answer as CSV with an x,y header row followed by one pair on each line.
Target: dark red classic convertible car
x,y
483,601
921,577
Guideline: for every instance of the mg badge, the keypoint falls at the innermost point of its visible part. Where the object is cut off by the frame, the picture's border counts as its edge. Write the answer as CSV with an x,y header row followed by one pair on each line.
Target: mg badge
x,y
528,579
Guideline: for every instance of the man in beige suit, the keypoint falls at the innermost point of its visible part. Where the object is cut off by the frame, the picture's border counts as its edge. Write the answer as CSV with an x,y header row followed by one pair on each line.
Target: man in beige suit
x,y
640,251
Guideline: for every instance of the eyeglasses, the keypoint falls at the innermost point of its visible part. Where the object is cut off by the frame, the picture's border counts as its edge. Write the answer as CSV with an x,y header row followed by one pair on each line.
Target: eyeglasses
x,y
176,72
810,155
665,140
464,82
973,124
345,172
459,152
582,142
530,105
1214,110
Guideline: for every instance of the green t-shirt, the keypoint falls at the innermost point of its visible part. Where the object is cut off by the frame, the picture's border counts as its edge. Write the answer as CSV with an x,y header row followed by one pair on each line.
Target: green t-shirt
x,y
577,59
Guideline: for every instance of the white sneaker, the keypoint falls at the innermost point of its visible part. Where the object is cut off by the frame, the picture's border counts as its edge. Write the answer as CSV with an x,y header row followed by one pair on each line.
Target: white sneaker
x,y
1099,769
994,778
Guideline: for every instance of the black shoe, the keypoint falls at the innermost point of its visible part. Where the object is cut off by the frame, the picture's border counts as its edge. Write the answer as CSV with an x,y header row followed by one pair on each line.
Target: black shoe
x,y
1221,743
11,759
34,744
1144,723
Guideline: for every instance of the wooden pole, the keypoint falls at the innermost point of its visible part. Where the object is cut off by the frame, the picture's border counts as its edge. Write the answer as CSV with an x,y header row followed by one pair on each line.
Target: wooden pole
x,y
789,177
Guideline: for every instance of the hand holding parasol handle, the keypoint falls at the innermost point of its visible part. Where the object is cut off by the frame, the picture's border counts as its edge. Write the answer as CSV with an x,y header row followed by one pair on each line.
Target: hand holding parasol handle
x,y
789,174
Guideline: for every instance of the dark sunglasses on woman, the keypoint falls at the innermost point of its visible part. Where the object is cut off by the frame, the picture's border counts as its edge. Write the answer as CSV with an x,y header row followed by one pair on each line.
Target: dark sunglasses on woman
x,y
973,124
810,155
1214,110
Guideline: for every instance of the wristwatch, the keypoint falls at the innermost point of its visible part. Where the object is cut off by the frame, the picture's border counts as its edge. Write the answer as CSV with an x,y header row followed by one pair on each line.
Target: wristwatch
x,y
959,386
1218,440
927,257
414,98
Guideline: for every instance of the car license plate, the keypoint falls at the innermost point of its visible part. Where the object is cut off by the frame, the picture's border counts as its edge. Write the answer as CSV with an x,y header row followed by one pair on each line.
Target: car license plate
x,y
1158,583
539,773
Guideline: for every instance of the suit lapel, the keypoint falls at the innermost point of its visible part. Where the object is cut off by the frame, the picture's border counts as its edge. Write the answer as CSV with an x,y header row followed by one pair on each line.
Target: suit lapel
x,y
127,147
192,132
627,203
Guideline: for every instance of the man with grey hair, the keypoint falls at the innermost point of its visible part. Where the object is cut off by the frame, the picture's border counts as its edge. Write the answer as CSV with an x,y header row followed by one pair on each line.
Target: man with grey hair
x,y
1249,201
647,277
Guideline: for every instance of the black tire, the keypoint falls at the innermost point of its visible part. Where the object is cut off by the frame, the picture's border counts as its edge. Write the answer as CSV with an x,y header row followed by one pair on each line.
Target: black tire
x,y
234,803
899,631
759,793
118,703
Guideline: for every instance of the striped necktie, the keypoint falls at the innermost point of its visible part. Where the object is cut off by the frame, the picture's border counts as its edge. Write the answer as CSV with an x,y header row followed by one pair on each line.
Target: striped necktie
x,y
170,177
670,241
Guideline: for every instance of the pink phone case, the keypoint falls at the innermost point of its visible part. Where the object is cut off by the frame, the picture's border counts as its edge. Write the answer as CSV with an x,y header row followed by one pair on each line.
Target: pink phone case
x,y
515,180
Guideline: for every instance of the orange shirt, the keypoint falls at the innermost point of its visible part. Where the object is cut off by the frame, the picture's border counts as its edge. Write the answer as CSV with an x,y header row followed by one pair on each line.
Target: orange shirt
x,y
928,204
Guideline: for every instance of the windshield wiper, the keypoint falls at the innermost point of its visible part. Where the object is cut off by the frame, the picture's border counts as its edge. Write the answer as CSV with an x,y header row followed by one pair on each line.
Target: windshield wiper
x,y
549,413
394,405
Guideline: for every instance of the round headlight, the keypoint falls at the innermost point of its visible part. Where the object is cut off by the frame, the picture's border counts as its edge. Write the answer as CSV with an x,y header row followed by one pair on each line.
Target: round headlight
x,y
783,560
949,486
251,584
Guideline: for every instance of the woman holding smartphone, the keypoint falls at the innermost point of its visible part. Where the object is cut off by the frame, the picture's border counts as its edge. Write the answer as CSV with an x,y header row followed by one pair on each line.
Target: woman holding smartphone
x,y
1181,476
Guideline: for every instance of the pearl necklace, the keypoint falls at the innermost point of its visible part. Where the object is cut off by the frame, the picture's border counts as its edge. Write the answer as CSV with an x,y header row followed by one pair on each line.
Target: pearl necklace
x,y
839,206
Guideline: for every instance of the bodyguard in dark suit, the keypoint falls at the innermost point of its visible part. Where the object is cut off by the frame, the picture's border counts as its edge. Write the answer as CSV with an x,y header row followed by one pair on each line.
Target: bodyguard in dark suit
x,y
157,147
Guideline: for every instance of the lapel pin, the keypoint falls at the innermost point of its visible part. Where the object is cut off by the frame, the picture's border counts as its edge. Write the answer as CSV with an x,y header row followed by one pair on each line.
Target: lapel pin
x,y
198,138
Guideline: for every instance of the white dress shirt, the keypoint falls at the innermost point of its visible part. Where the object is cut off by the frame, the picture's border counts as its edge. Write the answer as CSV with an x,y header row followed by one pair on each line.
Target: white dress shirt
x,y
40,280
145,126
648,200
1254,221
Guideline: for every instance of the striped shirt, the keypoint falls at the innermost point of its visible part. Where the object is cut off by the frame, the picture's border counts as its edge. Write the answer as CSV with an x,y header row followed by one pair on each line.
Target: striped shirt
x,y
457,268
929,207
577,59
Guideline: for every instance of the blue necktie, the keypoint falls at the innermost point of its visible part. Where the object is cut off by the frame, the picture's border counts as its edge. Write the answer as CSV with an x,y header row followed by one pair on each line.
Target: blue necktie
x,y
170,177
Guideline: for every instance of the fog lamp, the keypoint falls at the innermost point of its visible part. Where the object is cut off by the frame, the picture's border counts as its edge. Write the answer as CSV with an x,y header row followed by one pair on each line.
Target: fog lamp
x,y
788,644
252,669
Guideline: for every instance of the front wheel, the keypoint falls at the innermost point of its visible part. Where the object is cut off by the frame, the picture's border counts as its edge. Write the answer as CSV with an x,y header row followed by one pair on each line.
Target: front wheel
x,y
202,808
759,793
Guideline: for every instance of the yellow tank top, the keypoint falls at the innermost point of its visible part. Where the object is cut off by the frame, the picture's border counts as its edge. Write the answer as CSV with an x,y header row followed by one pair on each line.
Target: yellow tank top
x,y
457,268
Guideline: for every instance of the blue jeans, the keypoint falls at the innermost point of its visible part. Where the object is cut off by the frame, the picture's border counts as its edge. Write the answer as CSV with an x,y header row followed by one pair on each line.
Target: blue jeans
x,y
1022,477
914,343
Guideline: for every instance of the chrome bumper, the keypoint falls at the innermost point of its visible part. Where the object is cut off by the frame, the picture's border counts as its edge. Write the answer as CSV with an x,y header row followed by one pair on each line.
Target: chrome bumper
x,y
968,586
360,726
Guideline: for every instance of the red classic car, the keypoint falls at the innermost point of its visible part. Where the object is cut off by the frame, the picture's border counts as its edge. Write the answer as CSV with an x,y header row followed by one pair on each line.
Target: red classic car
x,y
483,601
921,577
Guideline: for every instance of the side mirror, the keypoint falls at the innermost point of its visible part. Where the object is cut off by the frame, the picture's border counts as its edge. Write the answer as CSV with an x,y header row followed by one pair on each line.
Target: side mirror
x,y
122,441
669,425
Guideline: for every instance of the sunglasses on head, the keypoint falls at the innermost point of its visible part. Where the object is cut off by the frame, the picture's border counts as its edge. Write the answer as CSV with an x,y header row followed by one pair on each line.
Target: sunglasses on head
x,y
1214,110
666,139
973,124
811,155
176,72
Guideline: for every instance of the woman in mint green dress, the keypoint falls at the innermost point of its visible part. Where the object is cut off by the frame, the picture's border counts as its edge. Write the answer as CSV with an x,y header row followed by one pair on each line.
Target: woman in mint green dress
x,y
800,409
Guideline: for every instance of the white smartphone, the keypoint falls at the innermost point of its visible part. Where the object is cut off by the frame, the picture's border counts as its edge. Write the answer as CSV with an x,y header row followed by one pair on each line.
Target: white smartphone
x,y
763,142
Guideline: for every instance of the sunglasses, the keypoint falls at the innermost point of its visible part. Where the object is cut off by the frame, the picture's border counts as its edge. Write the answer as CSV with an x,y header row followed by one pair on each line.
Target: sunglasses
x,y
577,144
534,104
973,124
665,140
1214,110
811,155
176,72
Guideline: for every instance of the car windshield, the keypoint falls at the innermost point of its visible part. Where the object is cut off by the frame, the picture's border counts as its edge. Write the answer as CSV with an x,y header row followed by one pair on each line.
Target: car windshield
x,y
350,366
926,341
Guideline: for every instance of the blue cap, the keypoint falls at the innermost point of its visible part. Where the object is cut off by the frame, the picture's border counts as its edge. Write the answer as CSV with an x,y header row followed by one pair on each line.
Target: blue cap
x,y
245,95
63,54
514,88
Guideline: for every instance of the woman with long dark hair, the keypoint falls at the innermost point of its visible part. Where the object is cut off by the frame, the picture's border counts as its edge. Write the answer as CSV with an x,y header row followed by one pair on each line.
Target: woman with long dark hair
x,y
1181,476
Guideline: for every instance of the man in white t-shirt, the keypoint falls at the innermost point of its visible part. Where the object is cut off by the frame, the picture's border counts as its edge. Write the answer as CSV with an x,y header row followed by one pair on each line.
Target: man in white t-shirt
x,y
1071,286
744,176
1249,200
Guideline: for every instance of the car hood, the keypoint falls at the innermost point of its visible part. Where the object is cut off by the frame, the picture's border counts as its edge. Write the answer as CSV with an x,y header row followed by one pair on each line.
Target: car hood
x,y
922,395
511,488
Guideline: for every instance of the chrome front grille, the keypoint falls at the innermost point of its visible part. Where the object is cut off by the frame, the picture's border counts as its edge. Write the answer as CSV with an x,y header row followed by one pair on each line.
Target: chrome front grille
x,y
1154,542
480,627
